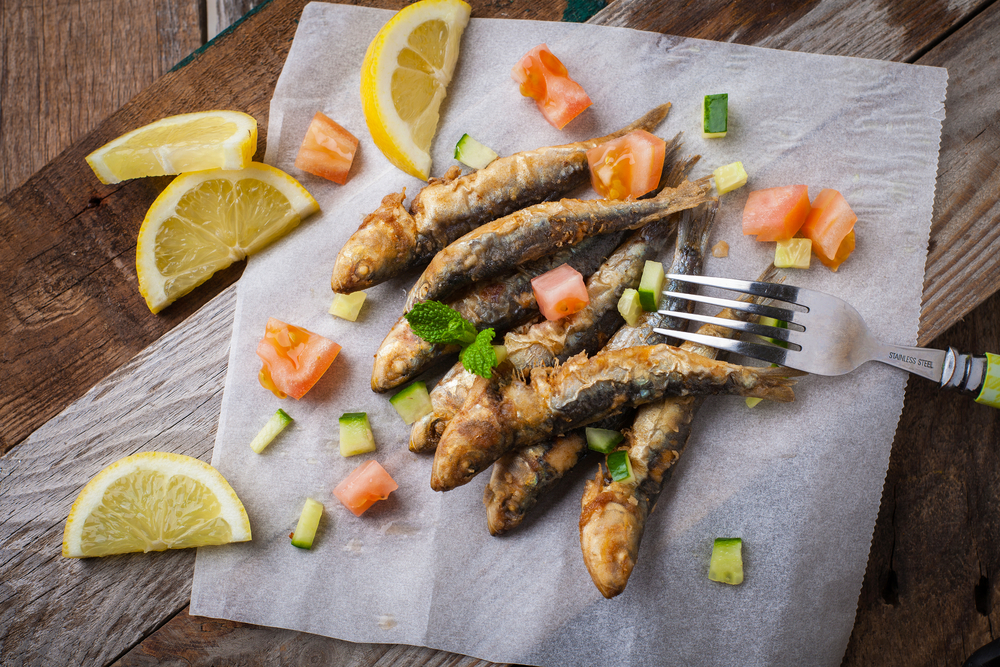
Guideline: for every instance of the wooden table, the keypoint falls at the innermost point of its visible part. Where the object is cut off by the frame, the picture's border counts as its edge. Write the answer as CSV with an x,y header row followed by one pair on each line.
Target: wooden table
x,y
83,379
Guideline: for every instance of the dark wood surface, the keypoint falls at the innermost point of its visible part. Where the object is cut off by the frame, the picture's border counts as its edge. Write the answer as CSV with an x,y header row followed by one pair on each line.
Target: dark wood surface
x,y
76,74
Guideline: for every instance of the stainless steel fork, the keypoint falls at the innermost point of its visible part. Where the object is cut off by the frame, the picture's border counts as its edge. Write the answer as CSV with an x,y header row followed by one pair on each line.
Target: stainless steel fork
x,y
827,336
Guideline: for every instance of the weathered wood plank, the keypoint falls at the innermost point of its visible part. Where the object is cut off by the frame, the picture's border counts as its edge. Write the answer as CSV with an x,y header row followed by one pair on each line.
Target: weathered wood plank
x,y
67,65
961,263
192,641
930,589
865,29
60,611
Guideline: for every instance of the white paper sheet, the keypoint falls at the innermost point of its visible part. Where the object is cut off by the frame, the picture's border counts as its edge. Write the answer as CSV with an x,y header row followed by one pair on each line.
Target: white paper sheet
x,y
800,483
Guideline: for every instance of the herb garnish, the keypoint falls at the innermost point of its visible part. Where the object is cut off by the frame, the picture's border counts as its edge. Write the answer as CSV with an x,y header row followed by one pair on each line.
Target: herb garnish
x,y
437,323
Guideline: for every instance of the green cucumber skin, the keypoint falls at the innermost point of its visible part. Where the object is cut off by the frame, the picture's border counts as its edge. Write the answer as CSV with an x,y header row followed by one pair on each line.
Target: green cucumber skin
x,y
412,402
716,113
356,435
275,425
305,530
619,466
472,153
651,285
603,440
726,565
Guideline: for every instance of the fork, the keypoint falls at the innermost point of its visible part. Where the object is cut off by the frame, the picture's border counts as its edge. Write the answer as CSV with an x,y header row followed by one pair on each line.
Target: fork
x,y
825,335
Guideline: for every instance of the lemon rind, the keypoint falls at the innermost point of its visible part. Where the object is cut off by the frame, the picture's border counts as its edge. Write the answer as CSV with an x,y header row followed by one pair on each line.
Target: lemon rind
x,y
396,144
166,463
151,281
235,159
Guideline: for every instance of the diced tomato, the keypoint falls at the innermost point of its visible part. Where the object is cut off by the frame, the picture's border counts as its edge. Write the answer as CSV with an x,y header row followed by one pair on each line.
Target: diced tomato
x,y
368,484
828,225
544,78
294,359
627,167
327,150
776,214
560,292
845,249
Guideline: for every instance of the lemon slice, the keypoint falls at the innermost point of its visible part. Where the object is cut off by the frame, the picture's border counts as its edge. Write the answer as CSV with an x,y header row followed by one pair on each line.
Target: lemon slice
x,y
154,501
404,78
173,145
206,220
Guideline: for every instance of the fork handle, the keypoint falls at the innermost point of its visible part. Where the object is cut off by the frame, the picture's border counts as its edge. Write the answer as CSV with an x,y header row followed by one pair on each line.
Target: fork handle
x,y
973,374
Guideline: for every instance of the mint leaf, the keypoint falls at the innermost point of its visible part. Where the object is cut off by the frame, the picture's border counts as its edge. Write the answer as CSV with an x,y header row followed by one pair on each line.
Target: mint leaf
x,y
437,323
479,357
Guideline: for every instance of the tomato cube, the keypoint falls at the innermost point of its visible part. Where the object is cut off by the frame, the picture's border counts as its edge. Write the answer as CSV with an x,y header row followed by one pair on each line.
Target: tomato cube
x,y
629,166
560,292
776,214
544,78
327,150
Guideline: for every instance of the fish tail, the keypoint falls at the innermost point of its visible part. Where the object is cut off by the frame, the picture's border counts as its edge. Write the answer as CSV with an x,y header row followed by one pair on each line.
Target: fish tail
x,y
773,383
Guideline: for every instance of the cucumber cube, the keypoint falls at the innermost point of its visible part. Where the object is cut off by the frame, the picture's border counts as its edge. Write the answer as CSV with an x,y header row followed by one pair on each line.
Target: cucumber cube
x,y
305,530
470,152
355,434
730,177
412,403
603,440
275,425
715,116
620,466
630,307
793,254
651,286
347,306
726,565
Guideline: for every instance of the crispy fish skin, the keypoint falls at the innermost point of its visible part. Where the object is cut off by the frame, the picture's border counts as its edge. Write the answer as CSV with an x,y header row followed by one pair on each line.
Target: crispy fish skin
x,y
392,240
511,493
447,398
613,514
505,413
520,477
538,230
500,304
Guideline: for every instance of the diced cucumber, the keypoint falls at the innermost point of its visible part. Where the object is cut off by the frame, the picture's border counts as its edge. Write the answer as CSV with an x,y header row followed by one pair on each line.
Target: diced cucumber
x,y
355,434
472,153
651,285
275,425
501,352
305,530
752,402
619,466
726,565
412,403
603,440
730,177
777,324
715,115
793,254
630,306
347,306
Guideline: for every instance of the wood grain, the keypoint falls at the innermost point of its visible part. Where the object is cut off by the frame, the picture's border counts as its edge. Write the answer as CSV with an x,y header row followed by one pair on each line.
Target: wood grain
x,y
68,65
930,589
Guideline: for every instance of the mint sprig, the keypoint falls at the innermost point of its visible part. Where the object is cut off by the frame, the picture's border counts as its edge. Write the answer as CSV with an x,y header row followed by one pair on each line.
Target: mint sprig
x,y
437,323
480,357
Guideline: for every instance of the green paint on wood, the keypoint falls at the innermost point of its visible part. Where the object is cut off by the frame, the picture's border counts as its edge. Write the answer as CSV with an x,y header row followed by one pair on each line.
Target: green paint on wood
x,y
578,11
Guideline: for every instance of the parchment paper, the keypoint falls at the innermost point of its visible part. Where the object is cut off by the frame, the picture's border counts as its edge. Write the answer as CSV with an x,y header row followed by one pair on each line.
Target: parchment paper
x,y
800,483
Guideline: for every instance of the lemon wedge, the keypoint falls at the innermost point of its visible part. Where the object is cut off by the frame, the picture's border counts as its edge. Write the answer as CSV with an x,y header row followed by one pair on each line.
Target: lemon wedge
x,y
154,501
404,77
206,220
173,145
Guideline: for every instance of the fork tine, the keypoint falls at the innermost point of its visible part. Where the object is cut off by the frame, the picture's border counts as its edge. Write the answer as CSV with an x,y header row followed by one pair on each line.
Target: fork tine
x,y
737,325
769,353
782,314
787,293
